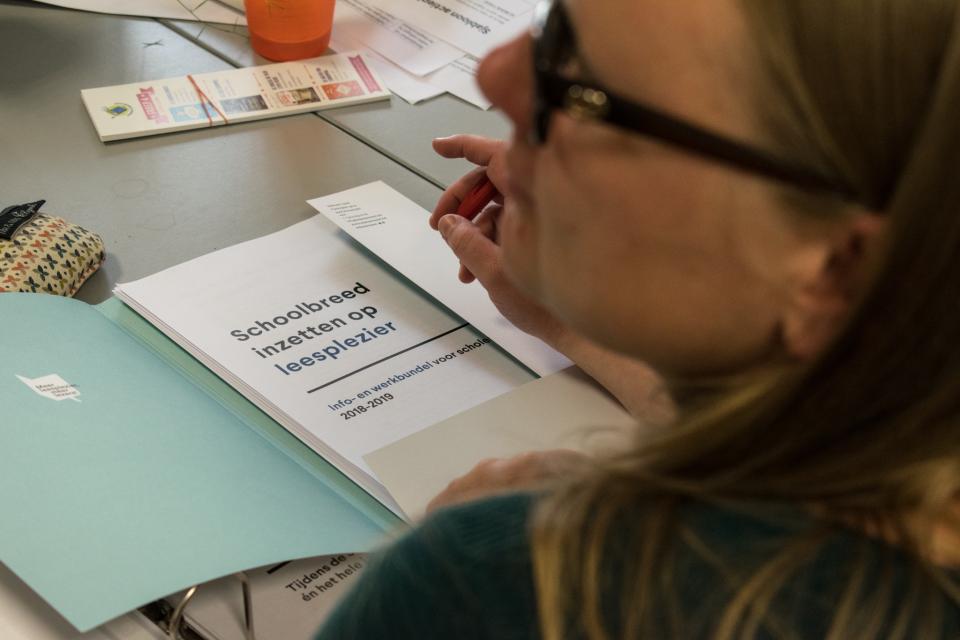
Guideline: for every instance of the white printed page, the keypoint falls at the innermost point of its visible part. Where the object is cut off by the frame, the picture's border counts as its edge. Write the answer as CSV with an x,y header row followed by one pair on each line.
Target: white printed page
x,y
199,10
460,79
566,410
327,341
412,63
475,26
402,83
403,44
396,229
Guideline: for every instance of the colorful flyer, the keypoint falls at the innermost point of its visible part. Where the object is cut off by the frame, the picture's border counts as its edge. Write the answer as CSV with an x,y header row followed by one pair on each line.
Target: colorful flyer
x,y
225,97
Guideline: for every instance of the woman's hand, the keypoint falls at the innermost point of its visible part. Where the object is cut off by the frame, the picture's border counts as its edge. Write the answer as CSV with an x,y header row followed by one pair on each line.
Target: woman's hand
x,y
494,476
475,242
635,385
480,257
489,156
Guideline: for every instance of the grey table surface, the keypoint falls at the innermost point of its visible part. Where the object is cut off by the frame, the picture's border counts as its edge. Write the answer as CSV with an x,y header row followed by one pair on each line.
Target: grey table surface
x,y
161,200
404,135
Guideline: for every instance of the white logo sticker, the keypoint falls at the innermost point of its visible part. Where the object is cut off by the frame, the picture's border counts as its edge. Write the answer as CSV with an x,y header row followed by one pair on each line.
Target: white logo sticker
x,y
53,387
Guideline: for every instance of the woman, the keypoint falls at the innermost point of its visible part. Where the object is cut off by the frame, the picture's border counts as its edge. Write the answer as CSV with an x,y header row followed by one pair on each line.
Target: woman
x,y
780,239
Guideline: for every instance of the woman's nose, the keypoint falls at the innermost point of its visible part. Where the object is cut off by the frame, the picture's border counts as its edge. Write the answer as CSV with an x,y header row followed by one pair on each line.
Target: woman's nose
x,y
506,78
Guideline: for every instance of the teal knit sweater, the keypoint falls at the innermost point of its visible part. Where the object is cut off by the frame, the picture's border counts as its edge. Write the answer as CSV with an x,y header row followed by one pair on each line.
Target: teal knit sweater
x,y
465,573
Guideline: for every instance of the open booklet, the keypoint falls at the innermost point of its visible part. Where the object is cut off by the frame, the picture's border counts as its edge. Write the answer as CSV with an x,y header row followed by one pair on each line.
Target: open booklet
x,y
143,457
326,340
130,471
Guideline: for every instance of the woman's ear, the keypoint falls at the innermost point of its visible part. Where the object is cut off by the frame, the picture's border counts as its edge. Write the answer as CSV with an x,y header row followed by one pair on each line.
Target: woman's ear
x,y
830,276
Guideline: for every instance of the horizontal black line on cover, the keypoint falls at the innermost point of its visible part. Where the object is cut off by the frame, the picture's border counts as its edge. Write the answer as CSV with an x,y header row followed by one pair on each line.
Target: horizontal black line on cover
x,y
394,355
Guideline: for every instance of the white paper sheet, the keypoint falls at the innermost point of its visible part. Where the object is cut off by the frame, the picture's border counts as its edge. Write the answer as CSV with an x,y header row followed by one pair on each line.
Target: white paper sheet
x,y
475,26
403,84
460,79
200,10
566,410
348,376
396,229
410,48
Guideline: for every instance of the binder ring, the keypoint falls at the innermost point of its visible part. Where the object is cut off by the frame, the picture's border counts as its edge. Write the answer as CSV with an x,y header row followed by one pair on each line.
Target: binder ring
x,y
176,618
173,626
247,606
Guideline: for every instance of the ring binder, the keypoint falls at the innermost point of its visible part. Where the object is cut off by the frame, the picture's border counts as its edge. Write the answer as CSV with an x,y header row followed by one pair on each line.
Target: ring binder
x,y
171,620
176,618
247,605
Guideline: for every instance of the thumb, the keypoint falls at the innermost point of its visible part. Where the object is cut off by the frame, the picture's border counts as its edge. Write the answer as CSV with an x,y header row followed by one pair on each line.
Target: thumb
x,y
476,251
476,149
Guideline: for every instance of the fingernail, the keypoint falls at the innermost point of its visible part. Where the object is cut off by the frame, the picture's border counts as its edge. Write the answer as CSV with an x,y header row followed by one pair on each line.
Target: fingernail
x,y
447,224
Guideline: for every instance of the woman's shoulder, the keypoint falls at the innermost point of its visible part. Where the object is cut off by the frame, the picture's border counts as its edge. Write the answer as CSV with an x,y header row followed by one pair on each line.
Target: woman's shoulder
x,y
467,571
712,545
464,572
487,526
816,566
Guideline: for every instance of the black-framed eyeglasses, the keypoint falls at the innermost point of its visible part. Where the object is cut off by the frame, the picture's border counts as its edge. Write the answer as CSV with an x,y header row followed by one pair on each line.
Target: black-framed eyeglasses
x,y
555,46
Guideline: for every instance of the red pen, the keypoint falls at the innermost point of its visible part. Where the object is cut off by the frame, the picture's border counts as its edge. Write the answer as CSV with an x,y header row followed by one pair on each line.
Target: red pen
x,y
479,197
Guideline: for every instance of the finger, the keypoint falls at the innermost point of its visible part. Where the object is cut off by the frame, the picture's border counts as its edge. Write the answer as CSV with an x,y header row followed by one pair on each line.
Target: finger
x,y
440,500
475,149
486,221
451,198
563,461
465,275
476,252
467,494
461,488
449,494
537,466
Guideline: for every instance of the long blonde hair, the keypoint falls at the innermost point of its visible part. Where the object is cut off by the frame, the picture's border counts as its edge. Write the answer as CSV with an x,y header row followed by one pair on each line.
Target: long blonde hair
x,y
868,90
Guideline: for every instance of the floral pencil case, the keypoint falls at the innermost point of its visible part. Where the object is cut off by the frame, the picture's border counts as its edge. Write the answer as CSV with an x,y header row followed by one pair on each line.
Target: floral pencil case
x,y
40,253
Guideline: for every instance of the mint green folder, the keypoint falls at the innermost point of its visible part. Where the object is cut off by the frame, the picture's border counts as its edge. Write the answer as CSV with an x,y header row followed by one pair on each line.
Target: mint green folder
x,y
157,476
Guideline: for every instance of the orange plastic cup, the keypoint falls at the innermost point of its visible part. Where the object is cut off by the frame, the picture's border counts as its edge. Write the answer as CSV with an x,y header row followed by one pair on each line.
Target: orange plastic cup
x,y
289,29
